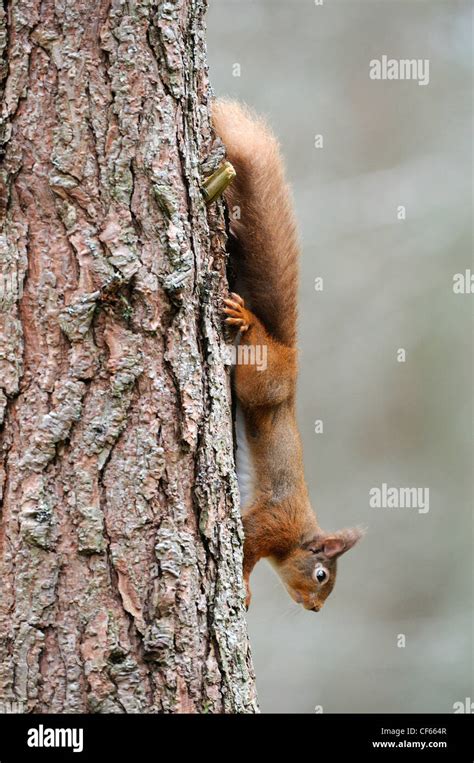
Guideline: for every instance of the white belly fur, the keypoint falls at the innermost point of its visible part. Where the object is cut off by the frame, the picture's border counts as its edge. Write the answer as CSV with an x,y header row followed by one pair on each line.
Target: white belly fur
x,y
244,466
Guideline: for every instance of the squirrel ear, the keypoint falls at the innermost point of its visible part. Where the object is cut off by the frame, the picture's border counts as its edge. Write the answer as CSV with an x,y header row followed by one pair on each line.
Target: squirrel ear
x,y
340,542
333,546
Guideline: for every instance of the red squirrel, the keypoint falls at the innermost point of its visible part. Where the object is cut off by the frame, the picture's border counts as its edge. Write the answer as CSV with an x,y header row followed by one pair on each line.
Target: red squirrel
x,y
278,520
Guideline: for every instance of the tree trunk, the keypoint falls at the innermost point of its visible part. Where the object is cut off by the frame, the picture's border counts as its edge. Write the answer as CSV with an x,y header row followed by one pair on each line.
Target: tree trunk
x,y
120,535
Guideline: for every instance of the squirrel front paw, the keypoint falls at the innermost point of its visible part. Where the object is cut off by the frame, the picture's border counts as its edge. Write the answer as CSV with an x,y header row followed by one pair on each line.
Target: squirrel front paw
x,y
248,594
238,314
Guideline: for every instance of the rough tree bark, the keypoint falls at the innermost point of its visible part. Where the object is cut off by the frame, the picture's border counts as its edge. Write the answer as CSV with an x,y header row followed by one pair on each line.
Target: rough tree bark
x,y
120,535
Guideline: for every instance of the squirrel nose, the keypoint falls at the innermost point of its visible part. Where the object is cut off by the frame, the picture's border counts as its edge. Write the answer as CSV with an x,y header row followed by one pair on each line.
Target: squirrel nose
x,y
316,608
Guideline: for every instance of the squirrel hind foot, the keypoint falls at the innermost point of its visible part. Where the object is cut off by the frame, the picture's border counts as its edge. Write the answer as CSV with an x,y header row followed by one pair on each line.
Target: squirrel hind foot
x,y
238,315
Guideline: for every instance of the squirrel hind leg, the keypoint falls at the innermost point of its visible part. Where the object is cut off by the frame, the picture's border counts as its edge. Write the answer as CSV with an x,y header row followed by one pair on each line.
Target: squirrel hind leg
x,y
265,370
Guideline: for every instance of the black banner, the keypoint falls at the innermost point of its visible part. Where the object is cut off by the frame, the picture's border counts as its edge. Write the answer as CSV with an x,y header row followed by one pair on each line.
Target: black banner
x,y
98,737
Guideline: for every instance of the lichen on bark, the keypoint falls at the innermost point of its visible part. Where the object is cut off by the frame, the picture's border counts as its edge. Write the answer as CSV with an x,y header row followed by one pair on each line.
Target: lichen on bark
x,y
120,534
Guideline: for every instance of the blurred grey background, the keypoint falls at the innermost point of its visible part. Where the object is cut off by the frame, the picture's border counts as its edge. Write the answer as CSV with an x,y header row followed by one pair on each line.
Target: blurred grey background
x,y
388,284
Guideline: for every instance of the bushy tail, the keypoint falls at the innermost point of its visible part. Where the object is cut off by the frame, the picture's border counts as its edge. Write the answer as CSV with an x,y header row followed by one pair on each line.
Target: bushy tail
x,y
262,218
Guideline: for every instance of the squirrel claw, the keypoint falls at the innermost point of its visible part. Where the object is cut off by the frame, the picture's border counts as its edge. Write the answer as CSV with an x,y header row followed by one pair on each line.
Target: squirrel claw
x,y
238,314
232,308
243,327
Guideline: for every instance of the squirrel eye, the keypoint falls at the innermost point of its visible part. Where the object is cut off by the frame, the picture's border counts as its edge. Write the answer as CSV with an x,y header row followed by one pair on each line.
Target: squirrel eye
x,y
321,575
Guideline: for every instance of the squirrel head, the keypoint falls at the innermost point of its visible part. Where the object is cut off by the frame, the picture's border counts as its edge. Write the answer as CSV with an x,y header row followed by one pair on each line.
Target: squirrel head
x,y
309,571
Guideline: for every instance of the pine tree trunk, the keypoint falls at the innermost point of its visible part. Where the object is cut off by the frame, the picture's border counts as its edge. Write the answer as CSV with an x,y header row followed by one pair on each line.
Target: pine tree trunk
x,y
120,535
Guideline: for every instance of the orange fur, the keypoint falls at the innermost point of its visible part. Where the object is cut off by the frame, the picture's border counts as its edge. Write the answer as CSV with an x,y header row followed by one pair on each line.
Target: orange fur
x,y
279,523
